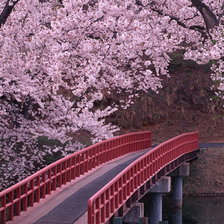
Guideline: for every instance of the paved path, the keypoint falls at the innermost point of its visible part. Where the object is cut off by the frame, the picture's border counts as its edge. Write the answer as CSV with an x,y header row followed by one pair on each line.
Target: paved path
x,y
206,145
75,206
211,145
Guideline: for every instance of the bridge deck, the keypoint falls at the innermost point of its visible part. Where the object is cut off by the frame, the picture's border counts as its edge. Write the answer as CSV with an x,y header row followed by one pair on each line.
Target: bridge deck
x,y
68,204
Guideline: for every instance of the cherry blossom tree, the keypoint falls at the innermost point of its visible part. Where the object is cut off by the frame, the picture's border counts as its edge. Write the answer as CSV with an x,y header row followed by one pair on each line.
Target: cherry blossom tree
x,y
60,58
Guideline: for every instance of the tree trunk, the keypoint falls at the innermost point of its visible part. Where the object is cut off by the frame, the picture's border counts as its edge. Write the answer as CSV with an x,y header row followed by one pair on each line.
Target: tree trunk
x,y
209,17
6,11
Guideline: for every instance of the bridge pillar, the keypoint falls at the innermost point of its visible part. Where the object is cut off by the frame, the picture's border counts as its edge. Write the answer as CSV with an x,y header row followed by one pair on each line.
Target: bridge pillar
x,y
155,208
135,215
177,184
161,187
177,192
117,220
176,216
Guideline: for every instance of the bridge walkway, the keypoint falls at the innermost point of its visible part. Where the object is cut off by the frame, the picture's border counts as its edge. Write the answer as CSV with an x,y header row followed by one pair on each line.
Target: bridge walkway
x,y
69,203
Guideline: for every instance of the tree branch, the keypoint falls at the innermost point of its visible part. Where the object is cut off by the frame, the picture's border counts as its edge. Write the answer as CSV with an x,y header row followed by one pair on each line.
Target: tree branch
x,y
197,28
10,4
209,17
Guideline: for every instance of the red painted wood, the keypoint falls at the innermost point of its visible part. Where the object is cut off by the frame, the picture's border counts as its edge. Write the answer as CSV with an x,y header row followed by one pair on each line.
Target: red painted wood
x,y
136,174
66,169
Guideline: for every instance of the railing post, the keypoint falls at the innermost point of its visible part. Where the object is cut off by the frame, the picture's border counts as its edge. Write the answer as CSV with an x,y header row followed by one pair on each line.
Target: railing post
x,y
11,210
18,195
31,198
3,212
25,198
38,189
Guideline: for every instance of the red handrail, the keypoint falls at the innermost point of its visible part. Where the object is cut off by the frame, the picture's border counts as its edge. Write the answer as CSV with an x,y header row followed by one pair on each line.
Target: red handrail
x,y
110,198
24,194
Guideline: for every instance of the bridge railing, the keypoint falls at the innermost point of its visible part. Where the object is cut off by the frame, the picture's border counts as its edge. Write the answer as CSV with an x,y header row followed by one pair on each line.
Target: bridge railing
x,y
103,205
30,190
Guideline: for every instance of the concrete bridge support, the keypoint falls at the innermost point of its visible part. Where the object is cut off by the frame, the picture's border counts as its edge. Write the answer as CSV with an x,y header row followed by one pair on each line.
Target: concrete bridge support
x,y
134,216
156,193
177,184
177,192
176,216
163,186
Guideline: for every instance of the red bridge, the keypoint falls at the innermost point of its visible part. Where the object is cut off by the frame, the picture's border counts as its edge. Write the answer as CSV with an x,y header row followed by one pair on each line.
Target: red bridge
x,y
74,179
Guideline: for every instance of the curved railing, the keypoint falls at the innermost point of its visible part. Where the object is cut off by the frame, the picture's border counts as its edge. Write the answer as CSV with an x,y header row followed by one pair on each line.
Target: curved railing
x,y
103,205
30,190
